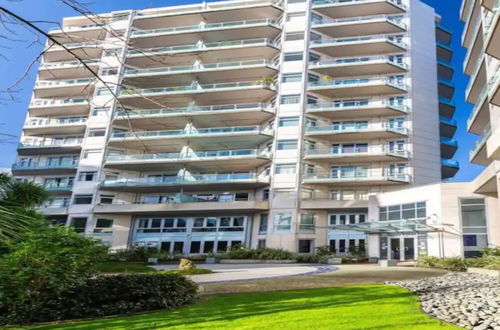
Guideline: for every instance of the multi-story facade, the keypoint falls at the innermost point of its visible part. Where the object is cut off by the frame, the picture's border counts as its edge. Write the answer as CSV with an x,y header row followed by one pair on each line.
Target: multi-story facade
x,y
255,123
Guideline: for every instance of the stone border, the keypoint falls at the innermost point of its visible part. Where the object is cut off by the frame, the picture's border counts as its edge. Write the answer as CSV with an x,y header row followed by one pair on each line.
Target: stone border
x,y
319,270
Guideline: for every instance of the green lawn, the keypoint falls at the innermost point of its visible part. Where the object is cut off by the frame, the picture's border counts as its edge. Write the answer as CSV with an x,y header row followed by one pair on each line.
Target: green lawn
x,y
346,308
141,267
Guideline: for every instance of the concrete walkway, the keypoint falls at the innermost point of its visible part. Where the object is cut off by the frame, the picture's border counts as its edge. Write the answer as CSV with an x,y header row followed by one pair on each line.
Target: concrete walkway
x,y
246,272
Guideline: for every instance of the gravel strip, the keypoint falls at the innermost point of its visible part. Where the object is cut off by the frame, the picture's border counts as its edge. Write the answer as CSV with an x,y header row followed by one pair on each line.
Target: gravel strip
x,y
470,301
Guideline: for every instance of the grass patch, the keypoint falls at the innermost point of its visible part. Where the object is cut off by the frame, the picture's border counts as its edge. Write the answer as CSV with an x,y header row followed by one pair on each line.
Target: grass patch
x,y
346,308
141,267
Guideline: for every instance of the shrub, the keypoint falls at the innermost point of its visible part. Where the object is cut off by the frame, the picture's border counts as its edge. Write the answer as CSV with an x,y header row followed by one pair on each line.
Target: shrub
x,y
324,251
494,251
487,261
309,258
432,262
186,265
259,254
45,264
456,264
111,295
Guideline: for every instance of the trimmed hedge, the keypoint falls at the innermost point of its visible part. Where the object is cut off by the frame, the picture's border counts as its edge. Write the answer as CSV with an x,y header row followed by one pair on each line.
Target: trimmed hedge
x,y
259,254
109,295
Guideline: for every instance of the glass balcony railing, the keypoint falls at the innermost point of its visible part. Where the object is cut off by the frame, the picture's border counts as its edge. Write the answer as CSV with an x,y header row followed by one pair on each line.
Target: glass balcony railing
x,y
46,166
358,82
57,102
62,83
480,143
478,106
357,104
192,132
188,179
398,3
357,128
204,27
42,122
450,163
75,45
124,114
450,142
447,121
356,152
197,88
200,155
204,47
51,143
67,64
199,67
446,101
358,60
75,28
55,186
397,20
344,41
356,176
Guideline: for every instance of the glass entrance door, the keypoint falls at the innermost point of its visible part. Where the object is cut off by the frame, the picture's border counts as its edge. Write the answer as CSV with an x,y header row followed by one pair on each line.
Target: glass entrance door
x,y
409,248
395,249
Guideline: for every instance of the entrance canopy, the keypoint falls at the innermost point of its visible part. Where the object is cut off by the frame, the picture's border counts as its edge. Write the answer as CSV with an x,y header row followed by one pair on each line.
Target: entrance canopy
x,y
388,227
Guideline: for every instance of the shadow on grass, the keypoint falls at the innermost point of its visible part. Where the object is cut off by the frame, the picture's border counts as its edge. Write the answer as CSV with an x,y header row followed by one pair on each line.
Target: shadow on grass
x,y
374,306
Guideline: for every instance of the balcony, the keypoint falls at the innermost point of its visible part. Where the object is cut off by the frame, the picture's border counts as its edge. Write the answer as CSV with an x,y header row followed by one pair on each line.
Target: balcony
x,y
358,46
444,51
478,154
447,127
350,8
371,131
355,179
446,88
494,89
346,88
364,155
50,146
60,88
209,32
356,26
486,183
449,168
44,169
240,159
208,12
202,94
476,83
200,139
210,52
81,32
209,72
492,32
58,189
359,66
84,51
448,147
445,69
474,51
68,69
199,116
59,107
446,107
42,126
189,182
480,115
349,109
319,203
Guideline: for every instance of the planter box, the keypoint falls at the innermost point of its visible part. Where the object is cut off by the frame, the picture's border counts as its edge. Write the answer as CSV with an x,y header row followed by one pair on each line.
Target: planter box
x,y
388,263
210,260
334,261
484,271
152,261
253,261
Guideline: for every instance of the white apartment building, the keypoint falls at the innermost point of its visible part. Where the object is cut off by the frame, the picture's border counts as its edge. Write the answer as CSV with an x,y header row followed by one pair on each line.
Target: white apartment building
x,y
251,122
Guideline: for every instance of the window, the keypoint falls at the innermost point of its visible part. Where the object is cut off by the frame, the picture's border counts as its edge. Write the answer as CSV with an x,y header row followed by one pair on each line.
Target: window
x,y
208,246
96,132
314,36
403,212
99,112
195,247
263,223
109,71
286,144
178,247
306,225
305,246
312,78
112,52
288,121
87,176
470,240
314,57
222,246
473,216
261,244
265,194
288,57
295,17
82,199
103,226
106,199
79,224
294,36
285,169
291,77
290,99
283,223
111,176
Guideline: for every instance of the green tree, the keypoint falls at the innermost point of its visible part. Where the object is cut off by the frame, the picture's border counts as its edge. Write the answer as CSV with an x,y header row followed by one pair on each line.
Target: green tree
x,y
44,264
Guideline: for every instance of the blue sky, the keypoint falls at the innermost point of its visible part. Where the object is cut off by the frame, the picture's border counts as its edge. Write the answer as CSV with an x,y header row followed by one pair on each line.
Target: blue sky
x,y
12,113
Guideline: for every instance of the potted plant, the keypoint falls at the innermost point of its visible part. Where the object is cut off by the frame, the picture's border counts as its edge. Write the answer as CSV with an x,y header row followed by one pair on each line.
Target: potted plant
x,y
265,80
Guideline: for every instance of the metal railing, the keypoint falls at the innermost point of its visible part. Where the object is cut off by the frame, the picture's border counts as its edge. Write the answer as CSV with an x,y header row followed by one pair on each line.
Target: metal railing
x,y
69,82
184,180
56,102
364,128
191,132
357,151
51,143
358,82
395,19
356,176
42,122
341,41
357,104
56,65
46,166
199,155
204,27
480,143
358,60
